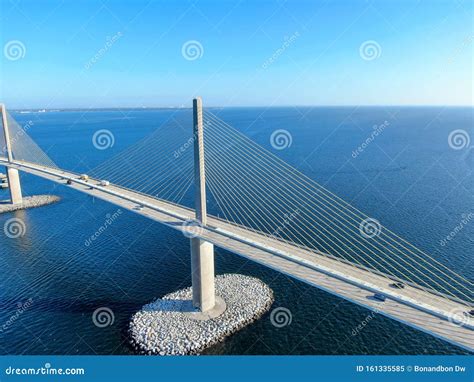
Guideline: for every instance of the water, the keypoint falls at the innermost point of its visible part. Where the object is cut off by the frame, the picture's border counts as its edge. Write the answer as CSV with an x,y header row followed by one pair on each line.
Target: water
x,y
408,178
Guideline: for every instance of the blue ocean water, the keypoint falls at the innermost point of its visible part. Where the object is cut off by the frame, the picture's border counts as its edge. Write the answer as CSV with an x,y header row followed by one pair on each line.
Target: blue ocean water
x,y
408,177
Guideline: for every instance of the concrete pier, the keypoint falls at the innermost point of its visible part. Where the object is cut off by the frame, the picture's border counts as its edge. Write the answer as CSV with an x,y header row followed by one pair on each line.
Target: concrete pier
x,y
202,265
192,319
172,326
14,186
12,173
202,252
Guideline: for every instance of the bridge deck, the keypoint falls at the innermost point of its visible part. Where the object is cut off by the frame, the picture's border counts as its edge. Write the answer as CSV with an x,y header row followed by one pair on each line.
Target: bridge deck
x,y
412,306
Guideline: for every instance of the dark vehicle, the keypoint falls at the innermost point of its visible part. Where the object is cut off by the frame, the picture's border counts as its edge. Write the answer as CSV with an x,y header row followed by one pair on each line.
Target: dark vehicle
x,y
398,285
379,296
69,181
469,313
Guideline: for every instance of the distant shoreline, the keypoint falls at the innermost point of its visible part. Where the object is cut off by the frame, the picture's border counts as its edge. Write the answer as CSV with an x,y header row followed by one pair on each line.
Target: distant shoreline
x,y
153,108
60,110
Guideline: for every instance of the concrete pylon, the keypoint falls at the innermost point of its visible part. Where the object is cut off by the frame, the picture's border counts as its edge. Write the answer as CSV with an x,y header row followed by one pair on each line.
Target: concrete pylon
x,y
12,173
202,252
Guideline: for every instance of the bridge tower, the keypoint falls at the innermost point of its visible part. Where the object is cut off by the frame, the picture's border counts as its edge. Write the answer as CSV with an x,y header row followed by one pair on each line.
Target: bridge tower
x,y
202,252
12,173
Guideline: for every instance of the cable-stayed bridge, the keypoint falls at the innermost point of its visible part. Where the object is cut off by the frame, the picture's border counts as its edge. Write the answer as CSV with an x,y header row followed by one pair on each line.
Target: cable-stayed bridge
x,y
265,210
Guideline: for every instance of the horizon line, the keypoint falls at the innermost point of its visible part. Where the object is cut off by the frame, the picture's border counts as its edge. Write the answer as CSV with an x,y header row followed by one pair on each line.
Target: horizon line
x,y
76,108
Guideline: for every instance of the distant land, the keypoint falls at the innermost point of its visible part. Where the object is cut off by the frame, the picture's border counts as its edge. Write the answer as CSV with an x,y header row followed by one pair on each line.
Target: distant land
x,y
132,108
26,111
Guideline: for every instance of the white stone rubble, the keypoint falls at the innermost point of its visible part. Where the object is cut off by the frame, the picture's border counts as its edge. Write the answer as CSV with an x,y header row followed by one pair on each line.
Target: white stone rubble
x,y
165,326
28,202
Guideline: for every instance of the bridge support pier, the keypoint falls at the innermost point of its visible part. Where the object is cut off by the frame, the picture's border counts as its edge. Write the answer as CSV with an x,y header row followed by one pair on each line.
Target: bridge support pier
x,y
202,265
12,174
14,185
202,252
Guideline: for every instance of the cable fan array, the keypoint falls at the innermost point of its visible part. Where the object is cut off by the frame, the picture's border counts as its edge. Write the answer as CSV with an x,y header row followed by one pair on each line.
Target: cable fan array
x,y
159,165
3,145
23,147
257,190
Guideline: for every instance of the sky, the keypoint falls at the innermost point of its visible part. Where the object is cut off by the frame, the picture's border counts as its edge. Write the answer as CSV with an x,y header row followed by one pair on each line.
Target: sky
x,y
145,53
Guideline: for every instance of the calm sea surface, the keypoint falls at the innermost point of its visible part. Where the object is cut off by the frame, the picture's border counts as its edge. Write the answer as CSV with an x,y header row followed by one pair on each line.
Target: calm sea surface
x,y
409,178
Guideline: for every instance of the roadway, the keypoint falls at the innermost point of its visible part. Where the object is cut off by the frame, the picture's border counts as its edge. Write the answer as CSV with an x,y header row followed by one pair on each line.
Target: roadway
x,y
420,309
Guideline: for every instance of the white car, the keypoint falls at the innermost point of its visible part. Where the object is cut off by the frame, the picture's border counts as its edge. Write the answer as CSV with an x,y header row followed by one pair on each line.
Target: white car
x,y
104,183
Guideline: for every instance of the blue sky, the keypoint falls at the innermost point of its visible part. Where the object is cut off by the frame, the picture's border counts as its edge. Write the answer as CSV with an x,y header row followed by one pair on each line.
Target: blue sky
x,y
89,53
